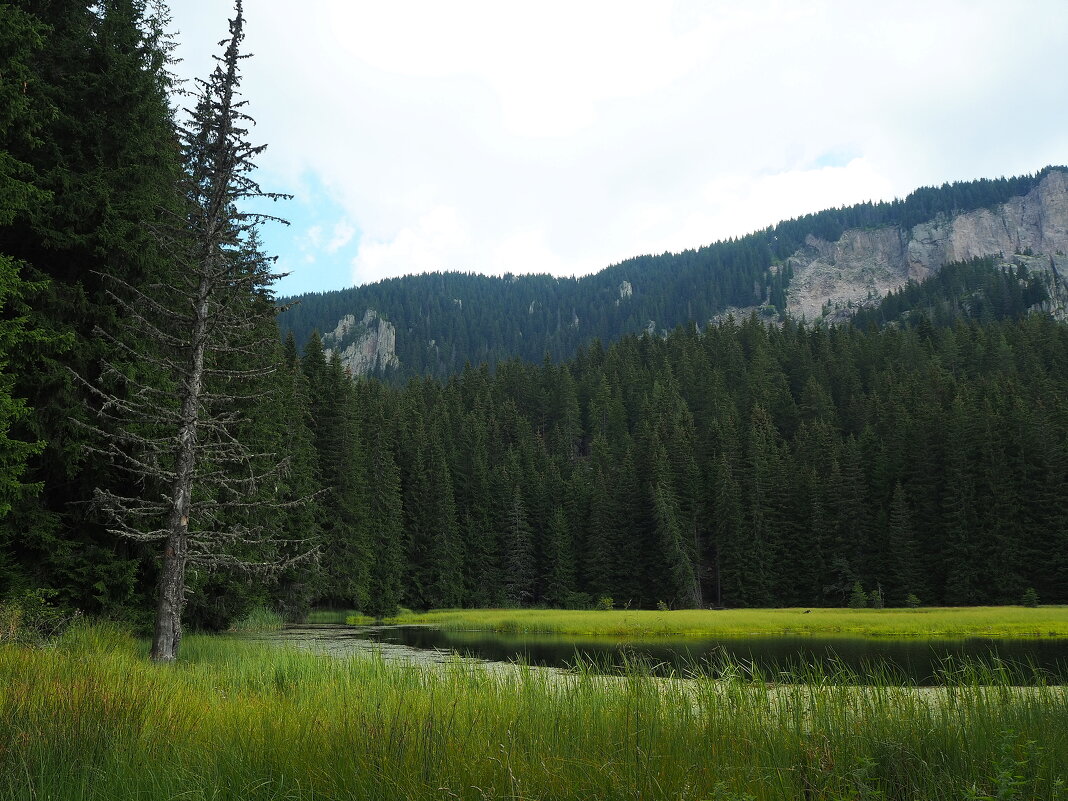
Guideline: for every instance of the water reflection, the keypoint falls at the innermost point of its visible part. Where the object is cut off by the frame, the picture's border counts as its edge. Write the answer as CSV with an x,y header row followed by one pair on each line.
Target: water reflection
x,y
919,661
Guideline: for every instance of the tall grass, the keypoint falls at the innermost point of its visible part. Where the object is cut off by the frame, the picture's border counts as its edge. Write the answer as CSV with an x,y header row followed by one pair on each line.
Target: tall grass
x,y
1002,621
91,719
259,619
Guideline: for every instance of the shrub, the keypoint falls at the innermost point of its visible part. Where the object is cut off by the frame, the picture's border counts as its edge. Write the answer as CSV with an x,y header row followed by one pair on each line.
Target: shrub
x,y
32,617
1030,598
858,599
578,600
605,603
662,606
911,601
875,598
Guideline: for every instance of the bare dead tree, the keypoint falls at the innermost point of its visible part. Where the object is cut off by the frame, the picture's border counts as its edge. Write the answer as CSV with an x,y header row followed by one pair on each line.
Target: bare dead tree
x,y
191,357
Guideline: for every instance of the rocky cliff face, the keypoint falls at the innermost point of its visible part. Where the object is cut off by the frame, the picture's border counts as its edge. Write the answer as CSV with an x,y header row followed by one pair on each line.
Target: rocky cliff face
x,y
364,346
832,278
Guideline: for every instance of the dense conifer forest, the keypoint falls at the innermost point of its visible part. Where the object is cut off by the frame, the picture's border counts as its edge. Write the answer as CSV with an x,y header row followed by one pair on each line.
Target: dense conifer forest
x,y
920,453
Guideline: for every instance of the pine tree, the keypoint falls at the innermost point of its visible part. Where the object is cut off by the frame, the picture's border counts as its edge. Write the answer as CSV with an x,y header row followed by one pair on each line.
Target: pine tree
x,y
444,581
385,519
174,431
517,552
738,584
346,550
903,578
560,560
20,38
110,177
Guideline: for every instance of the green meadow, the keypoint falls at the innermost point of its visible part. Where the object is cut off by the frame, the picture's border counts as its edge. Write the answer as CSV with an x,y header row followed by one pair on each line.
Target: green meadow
x,y
89,717
943,622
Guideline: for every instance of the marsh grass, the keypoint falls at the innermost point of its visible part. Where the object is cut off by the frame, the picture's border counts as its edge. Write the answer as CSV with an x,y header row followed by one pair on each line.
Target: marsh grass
x,y
943,622
90,718
259,619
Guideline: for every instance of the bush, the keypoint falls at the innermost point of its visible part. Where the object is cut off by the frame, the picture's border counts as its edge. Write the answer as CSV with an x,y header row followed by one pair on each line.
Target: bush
x,y
875,598
661,606
1030,598
578,600
605,603
911,601
858,599
32,618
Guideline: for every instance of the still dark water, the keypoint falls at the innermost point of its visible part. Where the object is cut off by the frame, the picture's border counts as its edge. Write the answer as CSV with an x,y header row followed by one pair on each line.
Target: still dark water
x,y
910,661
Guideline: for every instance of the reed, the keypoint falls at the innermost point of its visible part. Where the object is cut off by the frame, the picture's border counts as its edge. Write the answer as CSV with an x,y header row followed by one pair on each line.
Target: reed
x,y
258,620
948,622
90,718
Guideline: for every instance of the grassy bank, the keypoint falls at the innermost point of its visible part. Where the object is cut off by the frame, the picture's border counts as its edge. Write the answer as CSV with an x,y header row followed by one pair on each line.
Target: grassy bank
x,y
996,621
91,719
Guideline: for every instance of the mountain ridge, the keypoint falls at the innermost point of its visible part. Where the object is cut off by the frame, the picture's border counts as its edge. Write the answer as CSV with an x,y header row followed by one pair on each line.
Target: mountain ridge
x,y
443,320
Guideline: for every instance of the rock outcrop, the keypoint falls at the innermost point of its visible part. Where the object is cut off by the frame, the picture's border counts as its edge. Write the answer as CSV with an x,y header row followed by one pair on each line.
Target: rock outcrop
x,y
364,346
832,278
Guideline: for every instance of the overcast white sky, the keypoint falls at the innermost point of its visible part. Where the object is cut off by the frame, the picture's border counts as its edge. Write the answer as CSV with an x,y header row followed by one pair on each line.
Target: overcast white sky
x,y
562,137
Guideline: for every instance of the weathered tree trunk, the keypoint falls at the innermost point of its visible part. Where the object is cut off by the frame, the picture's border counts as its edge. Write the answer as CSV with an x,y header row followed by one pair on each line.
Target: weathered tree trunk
x,y
168,630
171,601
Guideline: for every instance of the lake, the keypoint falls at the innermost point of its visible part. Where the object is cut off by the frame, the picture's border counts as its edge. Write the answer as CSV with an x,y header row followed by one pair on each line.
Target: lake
x,y
919,661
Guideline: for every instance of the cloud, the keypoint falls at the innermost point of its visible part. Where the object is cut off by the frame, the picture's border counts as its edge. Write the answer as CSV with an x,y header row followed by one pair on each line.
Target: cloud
x,y
563,137
437,238
343,234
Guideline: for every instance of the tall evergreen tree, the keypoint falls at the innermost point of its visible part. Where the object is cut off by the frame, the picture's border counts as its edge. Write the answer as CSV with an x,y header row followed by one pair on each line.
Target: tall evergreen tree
x,y
176,429
385,525
111,176
517,552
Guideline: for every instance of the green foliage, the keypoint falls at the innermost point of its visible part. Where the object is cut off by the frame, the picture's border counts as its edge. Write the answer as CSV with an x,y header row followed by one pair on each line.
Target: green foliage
x,y
978,290
31,617
875,598
911,601
742,465
578,600
605,603
858,599
79,196
1030,598
250,720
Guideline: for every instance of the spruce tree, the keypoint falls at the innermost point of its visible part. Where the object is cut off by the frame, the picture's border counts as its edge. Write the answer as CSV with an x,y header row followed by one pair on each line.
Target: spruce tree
x,y
174,430
903,578
517,552
560,560
110,177
20,120
385,527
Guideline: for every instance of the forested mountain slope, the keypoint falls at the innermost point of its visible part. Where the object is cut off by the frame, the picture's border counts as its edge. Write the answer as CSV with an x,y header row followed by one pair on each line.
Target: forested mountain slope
x,y
746,465
439,321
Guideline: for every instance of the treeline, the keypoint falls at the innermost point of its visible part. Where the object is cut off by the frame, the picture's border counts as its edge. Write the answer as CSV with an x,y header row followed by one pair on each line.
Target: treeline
x,y
742,466
918,206
979,290
445,320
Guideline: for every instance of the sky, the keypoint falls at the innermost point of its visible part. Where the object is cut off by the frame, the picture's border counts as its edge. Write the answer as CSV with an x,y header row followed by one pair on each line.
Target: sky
x,y
495,136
